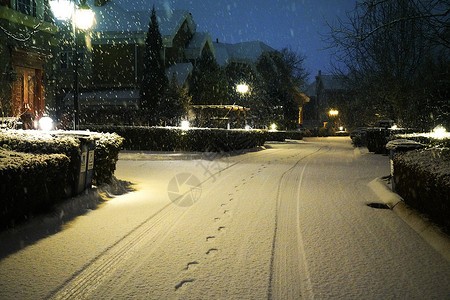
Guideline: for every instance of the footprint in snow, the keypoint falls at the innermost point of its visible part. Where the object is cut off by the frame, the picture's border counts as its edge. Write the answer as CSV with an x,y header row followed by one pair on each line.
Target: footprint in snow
x,y
183,283
212,251
191,265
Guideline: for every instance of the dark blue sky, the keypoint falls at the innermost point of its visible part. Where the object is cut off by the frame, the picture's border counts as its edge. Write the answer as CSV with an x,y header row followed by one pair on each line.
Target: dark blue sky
x,y
297,24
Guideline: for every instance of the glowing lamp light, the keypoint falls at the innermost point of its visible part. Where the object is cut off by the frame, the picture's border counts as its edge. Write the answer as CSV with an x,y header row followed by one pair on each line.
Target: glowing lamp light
x,y
333,112
84,18
440,132
46,123
394,127
273,127
341,128
247,127
62,9
242,88
185,125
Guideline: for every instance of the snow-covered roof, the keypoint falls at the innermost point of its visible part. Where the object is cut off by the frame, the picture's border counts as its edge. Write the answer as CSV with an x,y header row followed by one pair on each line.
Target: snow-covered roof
x,y
181,70
115,24
245,52
129,98
196,45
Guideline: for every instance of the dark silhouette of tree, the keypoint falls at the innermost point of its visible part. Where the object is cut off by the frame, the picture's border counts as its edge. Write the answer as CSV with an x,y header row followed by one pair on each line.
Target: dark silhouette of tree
x,y
175,106
396,55
282,73
154,83
209,84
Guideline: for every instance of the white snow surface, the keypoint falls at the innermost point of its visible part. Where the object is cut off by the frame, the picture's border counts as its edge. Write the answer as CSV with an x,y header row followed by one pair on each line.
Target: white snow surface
x,y
288,222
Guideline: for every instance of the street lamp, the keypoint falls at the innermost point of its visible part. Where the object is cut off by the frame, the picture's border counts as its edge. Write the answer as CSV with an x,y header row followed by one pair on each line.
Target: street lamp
x,y
242,88
82,18
333,112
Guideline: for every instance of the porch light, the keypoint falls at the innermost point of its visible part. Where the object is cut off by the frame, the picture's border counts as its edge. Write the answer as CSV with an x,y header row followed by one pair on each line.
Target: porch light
x,y
45,123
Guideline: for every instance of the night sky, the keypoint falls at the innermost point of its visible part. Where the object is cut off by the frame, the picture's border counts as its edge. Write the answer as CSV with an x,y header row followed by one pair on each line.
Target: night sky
x,y
297,24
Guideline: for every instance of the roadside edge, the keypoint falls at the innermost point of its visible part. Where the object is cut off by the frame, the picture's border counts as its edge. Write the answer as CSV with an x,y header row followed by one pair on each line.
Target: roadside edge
x,y
427,230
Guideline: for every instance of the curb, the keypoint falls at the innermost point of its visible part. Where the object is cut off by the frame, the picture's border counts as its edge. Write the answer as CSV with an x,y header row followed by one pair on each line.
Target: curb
x,y
427,230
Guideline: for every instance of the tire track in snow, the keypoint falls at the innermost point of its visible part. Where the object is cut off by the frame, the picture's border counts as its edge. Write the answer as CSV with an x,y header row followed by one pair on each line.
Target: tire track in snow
x,y
93,274
289,274
153,230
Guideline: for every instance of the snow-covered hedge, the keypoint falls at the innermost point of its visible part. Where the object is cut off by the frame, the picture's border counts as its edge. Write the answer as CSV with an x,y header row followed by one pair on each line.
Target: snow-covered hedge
x,y
194,139
29,183
426,139
422,178
281,136
106,149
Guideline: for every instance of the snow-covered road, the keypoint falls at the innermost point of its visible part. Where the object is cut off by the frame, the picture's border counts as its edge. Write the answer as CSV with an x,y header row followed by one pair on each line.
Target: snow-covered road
x,y
288,222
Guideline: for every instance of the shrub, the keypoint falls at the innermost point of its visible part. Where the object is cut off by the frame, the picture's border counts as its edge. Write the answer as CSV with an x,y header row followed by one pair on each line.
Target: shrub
x,y
30,183
422,178
107,147
176,139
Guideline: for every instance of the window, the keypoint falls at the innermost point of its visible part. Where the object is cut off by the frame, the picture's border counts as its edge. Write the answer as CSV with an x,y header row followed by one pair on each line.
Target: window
x,y
27,7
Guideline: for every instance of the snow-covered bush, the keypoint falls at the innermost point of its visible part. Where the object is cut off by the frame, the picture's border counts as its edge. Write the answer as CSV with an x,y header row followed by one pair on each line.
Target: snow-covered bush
x,y
426,139
30,183
107,147
194,139
422,178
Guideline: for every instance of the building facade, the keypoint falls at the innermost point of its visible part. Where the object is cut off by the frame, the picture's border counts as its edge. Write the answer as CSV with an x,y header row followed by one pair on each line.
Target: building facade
x,y
27,37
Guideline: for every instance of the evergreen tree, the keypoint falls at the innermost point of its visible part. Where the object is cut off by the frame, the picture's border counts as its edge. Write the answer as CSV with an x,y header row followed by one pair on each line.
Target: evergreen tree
x,y
209,84
154,83
176,104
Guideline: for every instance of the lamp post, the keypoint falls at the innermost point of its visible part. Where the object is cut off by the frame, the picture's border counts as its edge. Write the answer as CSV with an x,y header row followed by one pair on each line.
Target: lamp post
x,y
82,18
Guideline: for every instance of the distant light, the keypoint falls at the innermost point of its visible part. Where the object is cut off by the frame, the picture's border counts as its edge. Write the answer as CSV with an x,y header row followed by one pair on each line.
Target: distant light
x,y
341,128
273,127
247,127
242,88
394,127
333,112
185,125
84,18
62,9
440,132
45,123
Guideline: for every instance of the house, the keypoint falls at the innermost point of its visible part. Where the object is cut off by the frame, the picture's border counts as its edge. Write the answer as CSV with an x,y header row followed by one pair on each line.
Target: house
x,y
112,53
27,35
327,92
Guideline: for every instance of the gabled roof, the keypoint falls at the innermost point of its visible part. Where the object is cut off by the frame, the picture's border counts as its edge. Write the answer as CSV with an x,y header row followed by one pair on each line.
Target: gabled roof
x,y
196,45
113,24
332,82
245,52
181,70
